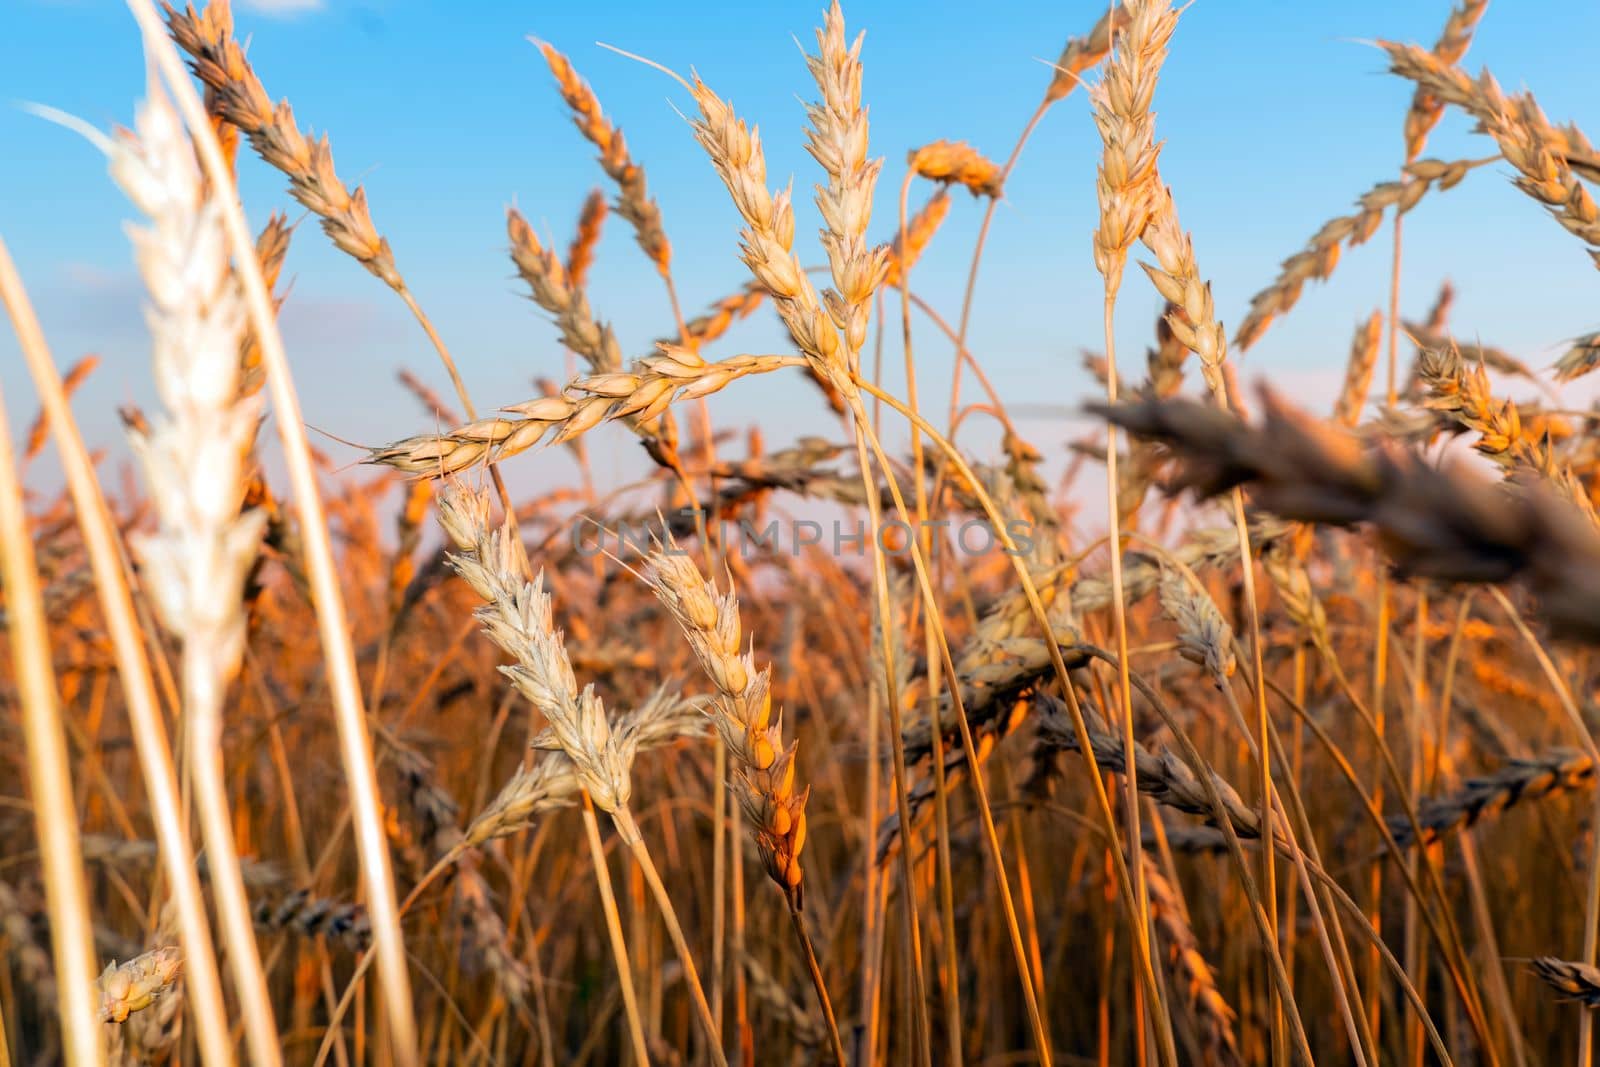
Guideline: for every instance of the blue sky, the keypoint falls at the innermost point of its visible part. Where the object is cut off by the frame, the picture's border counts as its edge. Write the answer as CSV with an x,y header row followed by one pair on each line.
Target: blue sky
x,y
1275,117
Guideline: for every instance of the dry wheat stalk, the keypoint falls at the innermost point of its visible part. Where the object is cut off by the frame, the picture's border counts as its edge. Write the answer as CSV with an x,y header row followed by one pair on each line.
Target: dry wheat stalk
x,y
302,912
432,403
1433,523
1576,981
633,198
741,712
76,375
809,1030
1163,777
580,253
768,237
1496,359
153,1035
553,290
193,454
656,383
703,329
219,62
1127,181
1193,320
837,140
1164,362
546,784
550,783
197,560
1004,657
1463,392
1204,636
920,229
1358,371
1557,771
1137,471
956,163
516,616
129,987
486,932
276,906
1465,395
1286,570
1209,1011
1083,53
1526,138
1321,253
272,248
1454,40
1580,359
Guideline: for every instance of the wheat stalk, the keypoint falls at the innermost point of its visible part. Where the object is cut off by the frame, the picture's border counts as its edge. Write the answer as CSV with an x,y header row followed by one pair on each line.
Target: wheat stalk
x,y
1558,771
1464,394
741,712
655,383
742,716
219,62
1432,523
1525,137
919,231
338,653
516,615
1358,371
703,329
1580,359
580,253
1575,981
1321,254
197,561
633,199
1213,1017
1427,109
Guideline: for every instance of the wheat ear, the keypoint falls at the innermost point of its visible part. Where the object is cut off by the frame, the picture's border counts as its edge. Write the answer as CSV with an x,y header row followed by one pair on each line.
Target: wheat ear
x,y
193,458
133,986
1527,140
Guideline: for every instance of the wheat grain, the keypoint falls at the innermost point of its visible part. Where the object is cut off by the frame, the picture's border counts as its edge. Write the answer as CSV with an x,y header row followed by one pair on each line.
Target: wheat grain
x,y
1084,53
1321,254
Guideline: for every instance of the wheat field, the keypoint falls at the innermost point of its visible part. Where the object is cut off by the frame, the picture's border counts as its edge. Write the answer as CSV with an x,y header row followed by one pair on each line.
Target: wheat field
x,y
1203,727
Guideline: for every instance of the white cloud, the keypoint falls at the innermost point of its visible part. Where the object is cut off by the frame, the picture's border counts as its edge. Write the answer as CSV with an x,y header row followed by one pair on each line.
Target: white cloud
x,y
283,7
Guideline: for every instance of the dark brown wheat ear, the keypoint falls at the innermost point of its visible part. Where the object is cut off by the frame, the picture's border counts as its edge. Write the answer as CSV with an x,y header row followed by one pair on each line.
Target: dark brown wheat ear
x,y
1444,524
1575,981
